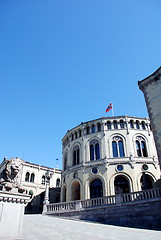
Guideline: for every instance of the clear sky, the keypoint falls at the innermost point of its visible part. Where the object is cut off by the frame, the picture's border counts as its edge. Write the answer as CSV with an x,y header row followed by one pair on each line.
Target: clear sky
x,y
63,61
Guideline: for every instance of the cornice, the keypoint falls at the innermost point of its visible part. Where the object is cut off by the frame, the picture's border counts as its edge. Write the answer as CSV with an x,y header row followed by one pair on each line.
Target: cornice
x,y
14,197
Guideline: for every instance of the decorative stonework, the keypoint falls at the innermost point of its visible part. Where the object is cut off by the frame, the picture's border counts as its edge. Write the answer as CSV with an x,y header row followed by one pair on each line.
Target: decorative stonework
x,y
14,197
10,176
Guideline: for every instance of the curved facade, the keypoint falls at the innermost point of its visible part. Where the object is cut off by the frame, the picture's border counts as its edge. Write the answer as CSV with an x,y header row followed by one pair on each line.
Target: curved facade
x,y
108,156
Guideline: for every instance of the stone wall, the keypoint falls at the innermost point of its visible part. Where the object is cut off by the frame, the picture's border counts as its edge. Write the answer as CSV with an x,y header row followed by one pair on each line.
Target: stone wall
x,y
151,87
140,215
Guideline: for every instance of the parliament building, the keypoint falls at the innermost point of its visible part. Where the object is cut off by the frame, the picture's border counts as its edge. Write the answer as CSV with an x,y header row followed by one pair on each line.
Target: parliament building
x,y
108,156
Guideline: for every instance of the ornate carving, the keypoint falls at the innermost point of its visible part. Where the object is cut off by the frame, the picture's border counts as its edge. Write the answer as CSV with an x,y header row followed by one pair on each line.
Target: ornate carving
x,y
10,177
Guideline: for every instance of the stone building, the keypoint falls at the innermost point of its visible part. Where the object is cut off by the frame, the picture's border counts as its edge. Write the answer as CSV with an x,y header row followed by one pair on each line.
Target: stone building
x,y
108,156
33,179
151,87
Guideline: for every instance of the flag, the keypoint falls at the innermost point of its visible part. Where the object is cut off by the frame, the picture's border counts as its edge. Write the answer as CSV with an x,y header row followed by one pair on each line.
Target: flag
x,y
109,107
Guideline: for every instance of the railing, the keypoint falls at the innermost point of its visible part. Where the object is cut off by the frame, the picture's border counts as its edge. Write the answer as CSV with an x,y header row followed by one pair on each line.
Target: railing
x,y
114,200
141,195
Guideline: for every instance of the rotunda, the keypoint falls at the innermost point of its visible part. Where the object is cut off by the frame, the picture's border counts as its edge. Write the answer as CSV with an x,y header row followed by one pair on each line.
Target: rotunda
x,y
108,156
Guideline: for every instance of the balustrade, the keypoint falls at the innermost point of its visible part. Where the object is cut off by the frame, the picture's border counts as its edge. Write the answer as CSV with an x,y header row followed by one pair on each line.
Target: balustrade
x,y
114,200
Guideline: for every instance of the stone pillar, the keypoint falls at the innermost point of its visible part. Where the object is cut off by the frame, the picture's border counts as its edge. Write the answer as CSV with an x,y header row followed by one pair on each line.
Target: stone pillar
x,y
48,176
11,214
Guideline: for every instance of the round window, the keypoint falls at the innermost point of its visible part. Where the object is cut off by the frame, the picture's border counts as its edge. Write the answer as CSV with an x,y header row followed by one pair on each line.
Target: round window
x,y
145,167
119,167
94,170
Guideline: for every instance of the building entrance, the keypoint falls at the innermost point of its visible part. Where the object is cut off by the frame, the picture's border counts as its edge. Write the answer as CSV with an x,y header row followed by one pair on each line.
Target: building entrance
x,y
75,191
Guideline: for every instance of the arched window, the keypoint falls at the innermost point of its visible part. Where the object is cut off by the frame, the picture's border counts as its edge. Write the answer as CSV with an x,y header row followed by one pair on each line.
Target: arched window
x,y
108,125
80,133
75,135
87,130
43,180
76,153
27,177
121,185
122,125
115,124
72,137
118,147
131,124
32,178
65,161
114,148
93,128
143,125
146,182
137,124
98,127
138,149
96,189
94,150
141,147
58,182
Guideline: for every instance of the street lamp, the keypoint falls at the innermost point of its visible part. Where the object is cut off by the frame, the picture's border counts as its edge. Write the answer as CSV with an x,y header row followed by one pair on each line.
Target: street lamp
x,y
48,176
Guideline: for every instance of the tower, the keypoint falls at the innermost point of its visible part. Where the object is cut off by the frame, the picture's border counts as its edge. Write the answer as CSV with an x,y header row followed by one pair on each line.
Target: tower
x,y
151,87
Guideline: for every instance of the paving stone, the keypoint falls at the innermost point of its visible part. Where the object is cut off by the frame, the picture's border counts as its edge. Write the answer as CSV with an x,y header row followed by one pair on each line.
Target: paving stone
x,y
38,227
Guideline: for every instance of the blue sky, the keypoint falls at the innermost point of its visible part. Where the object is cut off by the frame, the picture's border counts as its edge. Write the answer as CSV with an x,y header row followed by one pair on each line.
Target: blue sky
x,y
62,62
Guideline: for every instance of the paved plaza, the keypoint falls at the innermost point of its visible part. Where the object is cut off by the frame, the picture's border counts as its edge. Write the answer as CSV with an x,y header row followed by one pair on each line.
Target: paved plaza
x,y
38,227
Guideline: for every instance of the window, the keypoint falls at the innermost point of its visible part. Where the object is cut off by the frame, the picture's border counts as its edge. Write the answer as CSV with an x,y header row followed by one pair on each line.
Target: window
x,y
72,137
143,125
131,124
121,185
96,189
118,147
138,149
137,125
80,133
27,177
122,125
94,150
141,147
58,182
65,162
75,135
76,155
87,130
93,128
115,124
114,148
98,127
146,181
32,177
108,125
43,180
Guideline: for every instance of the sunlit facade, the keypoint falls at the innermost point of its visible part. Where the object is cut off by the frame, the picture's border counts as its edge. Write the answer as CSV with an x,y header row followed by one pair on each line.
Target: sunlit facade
x,y
108,156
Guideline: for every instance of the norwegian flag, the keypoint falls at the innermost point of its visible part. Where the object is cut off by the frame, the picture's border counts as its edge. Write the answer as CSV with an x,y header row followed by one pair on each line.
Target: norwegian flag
x,y
109,107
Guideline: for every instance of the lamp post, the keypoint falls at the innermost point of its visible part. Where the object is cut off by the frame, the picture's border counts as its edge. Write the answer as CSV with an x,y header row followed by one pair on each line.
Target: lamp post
x,y
48,176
